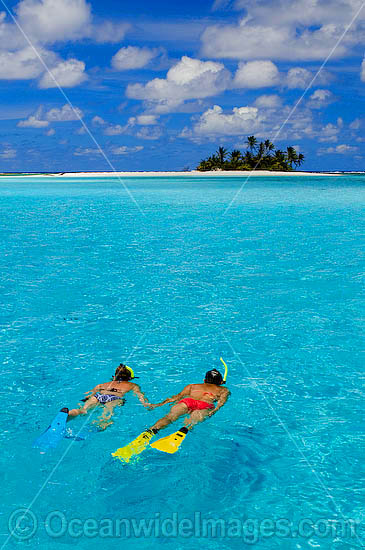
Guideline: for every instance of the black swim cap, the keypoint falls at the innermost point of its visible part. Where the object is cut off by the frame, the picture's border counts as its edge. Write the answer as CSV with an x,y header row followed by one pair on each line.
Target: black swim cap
x,y
123,373
214,377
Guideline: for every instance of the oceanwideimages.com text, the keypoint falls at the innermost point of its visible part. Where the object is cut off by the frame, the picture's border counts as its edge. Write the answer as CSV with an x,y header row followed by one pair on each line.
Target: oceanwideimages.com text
x,y
23,524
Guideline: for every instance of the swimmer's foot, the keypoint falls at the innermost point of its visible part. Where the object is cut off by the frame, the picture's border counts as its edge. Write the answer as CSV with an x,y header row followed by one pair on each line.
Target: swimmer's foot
x,y
76,412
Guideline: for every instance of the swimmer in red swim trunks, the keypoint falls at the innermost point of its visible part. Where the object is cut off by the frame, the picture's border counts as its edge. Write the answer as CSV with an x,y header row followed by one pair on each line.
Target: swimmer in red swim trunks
x,y
195,400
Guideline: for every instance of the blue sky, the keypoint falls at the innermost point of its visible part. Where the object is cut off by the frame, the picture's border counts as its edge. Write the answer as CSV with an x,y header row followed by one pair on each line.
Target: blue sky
x,y
160,85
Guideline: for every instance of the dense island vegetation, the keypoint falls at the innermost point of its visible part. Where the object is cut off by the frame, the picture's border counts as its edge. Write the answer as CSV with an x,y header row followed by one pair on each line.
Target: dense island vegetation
x,y
261,156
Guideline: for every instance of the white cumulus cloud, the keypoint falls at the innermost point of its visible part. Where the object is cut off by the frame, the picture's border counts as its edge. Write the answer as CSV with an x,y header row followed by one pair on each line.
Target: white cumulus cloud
x,y
188,79
117,129
23,64
67,74
304,12
146,120
42,119
50,21
124,150
362,72
256,74
215,122
329,133
290,29
320,98
8,152
108,32
143,120
132,57
114,130
53,20
64,114
264,119
249,41
165,106
86,152
298,78
270,101
338,150
10,38
355,124
151,133
98,121
34,121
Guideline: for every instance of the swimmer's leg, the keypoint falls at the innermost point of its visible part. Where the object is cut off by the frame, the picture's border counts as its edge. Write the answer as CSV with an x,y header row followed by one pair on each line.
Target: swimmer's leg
x,y
104,421
196,417
91,403
175,412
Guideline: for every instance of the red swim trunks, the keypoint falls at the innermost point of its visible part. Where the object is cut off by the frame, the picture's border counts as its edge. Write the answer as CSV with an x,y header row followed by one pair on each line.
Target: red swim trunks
x,y
195,405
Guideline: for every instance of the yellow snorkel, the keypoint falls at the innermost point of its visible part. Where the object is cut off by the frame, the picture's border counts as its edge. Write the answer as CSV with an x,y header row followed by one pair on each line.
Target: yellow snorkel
x,y
225,371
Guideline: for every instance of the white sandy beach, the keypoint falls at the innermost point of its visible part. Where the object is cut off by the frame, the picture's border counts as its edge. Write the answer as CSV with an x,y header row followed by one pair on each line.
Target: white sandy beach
x,y
192,173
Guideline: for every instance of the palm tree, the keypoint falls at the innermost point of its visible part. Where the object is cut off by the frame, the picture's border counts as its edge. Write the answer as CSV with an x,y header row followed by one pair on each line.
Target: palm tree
x,y
221,154
251,143
211,163
300,159
235,159
261,152
203,166
292,156
269,146
279,160
249,159
264,154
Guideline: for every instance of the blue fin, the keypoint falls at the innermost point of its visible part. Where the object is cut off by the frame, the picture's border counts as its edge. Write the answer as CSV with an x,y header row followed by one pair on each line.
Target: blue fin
x,y
54,433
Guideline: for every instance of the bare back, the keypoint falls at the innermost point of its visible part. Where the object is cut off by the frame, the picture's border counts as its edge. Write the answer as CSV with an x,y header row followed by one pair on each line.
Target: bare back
x,y
119,388
206,392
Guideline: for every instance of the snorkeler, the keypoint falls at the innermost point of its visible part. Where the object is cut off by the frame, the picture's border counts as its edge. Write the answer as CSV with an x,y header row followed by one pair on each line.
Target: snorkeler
x,y
198,401
195,400
111,395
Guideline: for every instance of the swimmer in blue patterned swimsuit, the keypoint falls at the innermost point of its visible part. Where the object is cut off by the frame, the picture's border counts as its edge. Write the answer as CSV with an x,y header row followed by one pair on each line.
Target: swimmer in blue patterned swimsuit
x,y
111,395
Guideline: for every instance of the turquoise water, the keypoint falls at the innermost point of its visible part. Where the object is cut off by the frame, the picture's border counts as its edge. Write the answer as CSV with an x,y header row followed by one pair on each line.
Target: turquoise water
x,y
275,286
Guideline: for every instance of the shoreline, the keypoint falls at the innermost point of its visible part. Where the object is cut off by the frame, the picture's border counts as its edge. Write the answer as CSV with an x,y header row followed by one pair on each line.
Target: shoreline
x,y
192,173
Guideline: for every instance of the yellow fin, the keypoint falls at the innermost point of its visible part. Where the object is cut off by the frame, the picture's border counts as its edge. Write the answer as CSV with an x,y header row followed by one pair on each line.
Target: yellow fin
x,y
134,448
171,443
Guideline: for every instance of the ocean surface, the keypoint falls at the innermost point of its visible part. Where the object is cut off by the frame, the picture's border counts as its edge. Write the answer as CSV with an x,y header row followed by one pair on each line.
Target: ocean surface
x,y
274,285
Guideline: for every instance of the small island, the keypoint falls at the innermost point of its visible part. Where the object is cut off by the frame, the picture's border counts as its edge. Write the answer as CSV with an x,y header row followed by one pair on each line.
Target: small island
x,y
261,155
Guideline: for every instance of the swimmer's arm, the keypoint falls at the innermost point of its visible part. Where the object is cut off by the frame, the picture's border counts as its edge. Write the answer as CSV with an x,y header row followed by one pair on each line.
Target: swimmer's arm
x,y
184,393
141,396
222,399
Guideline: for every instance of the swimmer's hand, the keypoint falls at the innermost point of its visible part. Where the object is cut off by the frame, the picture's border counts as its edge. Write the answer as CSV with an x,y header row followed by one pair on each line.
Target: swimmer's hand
x,y
151,406
212,412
